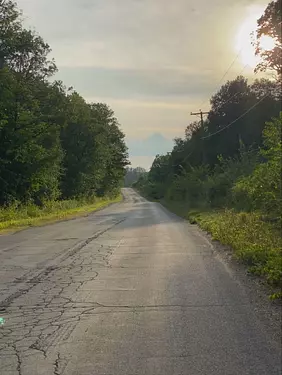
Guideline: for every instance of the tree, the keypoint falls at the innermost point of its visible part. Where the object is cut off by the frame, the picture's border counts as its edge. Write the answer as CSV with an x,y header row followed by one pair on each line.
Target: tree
x,y
231,105
114,147
20,49
159,175
227,105
133,175
262,188
204,165
52,143
9,25
30,150
94,148
270,24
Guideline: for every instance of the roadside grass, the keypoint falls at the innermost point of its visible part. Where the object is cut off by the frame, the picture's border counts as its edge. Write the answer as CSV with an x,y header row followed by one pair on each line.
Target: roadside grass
x,y
256,243
20,217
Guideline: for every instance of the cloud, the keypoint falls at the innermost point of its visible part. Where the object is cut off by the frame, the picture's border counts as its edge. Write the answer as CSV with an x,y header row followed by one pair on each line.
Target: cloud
x,y
152,61
144,161
141,118
151,146
137,83
130,33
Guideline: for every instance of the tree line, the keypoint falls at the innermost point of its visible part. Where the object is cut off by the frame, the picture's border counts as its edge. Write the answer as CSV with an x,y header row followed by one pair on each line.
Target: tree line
x,y
53,144
234,157
132,175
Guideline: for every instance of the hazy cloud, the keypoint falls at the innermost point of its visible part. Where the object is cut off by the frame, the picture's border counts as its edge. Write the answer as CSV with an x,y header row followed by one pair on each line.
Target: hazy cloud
x,y
140,83
152,61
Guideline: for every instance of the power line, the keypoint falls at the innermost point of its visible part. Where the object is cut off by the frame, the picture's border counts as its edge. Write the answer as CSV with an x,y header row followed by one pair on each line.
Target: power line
x,y
225,127
230,66
233,62
198,114
237,93
239,118
226,72
227,101
182,161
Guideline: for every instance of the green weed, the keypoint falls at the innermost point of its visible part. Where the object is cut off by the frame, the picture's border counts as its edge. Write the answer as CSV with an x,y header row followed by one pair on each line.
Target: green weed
x,y
18,216
255,242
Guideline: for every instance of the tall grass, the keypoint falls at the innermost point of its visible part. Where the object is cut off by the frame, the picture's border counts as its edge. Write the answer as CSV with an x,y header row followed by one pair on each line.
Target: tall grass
x,y
19,216
256,243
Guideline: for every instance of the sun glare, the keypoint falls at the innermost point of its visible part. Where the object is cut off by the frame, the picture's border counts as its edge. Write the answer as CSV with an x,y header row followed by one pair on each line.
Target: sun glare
x,y
244,38
267,43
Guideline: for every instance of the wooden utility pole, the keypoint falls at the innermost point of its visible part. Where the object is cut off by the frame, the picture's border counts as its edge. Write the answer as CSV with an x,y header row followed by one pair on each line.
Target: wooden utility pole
x,y
201,113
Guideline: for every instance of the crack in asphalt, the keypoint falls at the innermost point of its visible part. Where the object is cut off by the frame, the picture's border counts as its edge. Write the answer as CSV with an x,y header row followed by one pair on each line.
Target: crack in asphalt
x,y
41,275
19,361
42,312
56,365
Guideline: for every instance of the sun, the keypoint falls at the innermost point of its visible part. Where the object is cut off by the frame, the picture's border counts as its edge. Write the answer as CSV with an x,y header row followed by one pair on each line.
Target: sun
x,y
244,38
267,43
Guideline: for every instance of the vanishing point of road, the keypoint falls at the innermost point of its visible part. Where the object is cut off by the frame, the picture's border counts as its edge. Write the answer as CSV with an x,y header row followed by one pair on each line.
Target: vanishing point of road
x,y
129,290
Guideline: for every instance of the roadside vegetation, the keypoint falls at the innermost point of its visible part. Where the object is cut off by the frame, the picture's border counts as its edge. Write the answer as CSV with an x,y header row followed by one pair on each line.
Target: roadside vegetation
x,y
59,155
17,217
225,174
132,175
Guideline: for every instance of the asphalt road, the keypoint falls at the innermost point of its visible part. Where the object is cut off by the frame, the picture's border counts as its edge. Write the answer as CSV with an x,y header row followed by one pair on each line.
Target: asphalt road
x,y
132,289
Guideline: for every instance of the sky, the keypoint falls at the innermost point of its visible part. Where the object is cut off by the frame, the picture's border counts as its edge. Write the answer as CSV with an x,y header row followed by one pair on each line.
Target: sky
x,y
152,61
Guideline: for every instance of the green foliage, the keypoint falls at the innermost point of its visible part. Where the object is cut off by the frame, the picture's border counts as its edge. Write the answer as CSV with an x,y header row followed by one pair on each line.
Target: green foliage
x,y
262,188
202,185
249,184
19,216
204,167
269,24
30,150
228,105
142,184
52,143
133,175
232,164
190,186
157,177
256,243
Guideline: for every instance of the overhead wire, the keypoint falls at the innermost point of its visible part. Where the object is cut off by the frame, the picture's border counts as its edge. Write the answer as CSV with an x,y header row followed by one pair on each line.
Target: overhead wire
x,y
233,62
231,123
220,81
235,93
225,73
239,118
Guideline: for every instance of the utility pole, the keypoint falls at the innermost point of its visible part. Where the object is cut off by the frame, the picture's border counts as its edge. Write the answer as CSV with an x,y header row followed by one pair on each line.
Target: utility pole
x,y
201,113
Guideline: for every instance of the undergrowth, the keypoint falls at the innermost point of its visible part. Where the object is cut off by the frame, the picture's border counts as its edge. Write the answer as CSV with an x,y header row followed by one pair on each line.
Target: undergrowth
x,y
255,242
20,216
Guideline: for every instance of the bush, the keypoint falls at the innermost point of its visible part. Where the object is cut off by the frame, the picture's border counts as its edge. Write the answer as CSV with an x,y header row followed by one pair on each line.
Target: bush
x,y
17,216
256,243
190,186
202,187
262,189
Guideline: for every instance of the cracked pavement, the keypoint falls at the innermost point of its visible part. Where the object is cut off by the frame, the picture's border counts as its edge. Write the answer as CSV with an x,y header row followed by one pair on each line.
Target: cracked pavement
x,y
129,290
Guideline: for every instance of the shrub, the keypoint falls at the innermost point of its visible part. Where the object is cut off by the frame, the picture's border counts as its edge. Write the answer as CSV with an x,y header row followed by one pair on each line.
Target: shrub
x,y
256,243
262,189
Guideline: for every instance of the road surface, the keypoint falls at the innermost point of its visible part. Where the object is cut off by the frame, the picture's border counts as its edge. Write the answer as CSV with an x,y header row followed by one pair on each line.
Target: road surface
x,y
129,290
